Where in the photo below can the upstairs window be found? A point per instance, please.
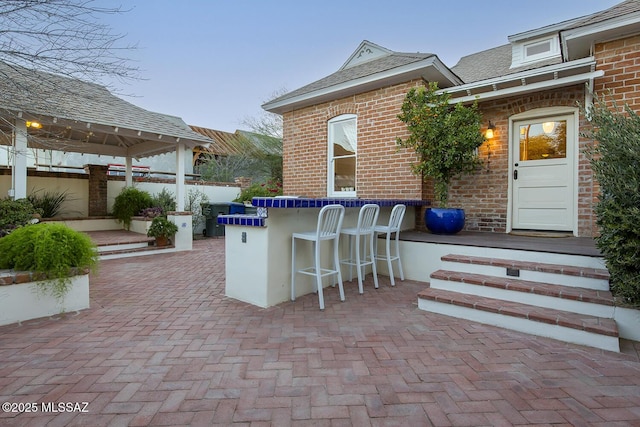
(342, 149)
(524, 53)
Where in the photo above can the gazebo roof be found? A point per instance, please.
(83, 117)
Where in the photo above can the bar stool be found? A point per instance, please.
(328, 229)
(395, 222)
(363, 234)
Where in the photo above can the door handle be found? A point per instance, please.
(515, 174)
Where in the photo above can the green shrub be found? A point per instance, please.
(164, 200)
(193, 204)
(270, 188)
(53, 250)
(49, 202)
(130, 202)
(615, 159)
(15, 213)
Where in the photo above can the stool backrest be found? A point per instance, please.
(330, 221)
(367, 218)
(397, 214)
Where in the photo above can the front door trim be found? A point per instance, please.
(540, 113)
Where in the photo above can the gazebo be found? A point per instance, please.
(47, 111)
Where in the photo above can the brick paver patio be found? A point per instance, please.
(161, 345)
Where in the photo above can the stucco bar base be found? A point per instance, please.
(258, 258)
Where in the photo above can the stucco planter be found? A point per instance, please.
(20, 299)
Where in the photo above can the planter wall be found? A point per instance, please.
(19, 300)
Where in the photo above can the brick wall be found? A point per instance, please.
(383, 171)
(620, 60)
(485, 195)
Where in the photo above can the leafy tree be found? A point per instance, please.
(62, 37)
(615, 159)
(444, 136)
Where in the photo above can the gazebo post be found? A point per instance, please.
(128, 172)
(180, 193)
(19, 170)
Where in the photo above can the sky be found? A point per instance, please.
(215, 62)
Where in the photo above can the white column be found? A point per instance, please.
(19, 170)
(128, 174)
(180, 191)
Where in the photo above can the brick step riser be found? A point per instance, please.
(545, 301)
(533, 276)
(557, 332)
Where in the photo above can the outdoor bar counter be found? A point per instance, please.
(258, 247)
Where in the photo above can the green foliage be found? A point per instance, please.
(53, 250)
(164, 200)
(129, 203)
(615, 159)
(444, 137)
(49, 202)
(193, 203)
(270, 188)
(15, 213)
(161, 226)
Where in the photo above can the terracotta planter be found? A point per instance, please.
(162, 241)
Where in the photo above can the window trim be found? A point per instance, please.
(330, 157)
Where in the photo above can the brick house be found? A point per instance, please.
(340, 131)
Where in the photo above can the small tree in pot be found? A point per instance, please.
(445, 138)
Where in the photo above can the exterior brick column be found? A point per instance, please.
(97, 189)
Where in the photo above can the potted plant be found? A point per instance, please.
(445, 138)
(162, 229)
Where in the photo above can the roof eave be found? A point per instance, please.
(430, 69)
(577, 41)
(549, 77)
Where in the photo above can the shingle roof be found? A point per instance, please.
(495, 62)
(619, 10)
(389, 62)
(46, 94)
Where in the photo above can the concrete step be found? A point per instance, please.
(566, 275)
(136, 251)
(562, 325)
(567, 298)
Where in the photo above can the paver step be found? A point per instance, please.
(130, 252)
(526, 286)
(542, 321)
(594, 273)
(557, 274)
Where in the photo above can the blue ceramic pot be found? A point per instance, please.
(444, 220)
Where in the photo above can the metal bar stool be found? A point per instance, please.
(363, 234)
(395, 222)
(328, 229)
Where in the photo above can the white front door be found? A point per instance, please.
(543, 173)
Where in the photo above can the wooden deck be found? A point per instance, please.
(536, 242)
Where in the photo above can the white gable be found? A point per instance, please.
(367, 51)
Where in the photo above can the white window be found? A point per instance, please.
(536, 50)
(342, 148)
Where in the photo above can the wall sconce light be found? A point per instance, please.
(489, 133)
